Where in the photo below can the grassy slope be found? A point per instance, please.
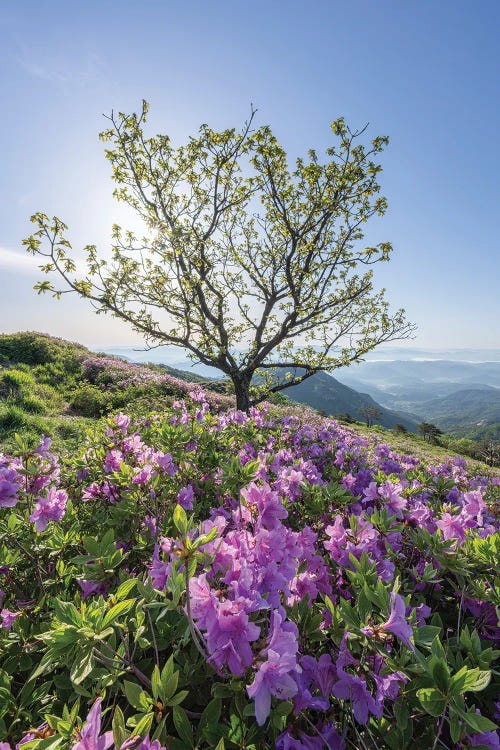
(45, 389)
(43, 392)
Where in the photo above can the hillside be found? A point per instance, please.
(53, 387)
(329, 396)
(473, 411)
(174, 562)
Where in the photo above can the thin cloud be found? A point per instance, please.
(22, 262)
(61, 72)
(18, 260)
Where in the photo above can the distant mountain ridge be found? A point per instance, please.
(460, 397)
(326, 394)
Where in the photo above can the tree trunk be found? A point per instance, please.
(241, 383)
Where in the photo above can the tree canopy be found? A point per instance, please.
(247, 263)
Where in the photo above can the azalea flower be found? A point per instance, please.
(10, 483)
(90, 737)
(396, 624)
(185, 497)
(272, 678)
(452, 526)
(49, 508)
(8, 618)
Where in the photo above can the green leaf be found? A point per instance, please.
(125, 588)
(67, 613)
(83, 667)
(180, 520)
(133, 693)
(156, 687)
(478, 723)
(118, 726)
(144, 725)
(402, 715)
(183, 725)
(432, 701)
(425, 635)
(455, 726)
(472, 680)
(170, 686)
(118, 609)
(441, 675)
(211, 714)
(177, 698)
(482, 680)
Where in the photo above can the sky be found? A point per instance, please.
(423, 72)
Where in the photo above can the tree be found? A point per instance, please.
(430, 432)
(489, 452)
(370, 414)
(247, 264)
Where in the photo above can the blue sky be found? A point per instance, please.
(425, 73)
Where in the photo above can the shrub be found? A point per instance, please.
(89, 401)
(274, 581)
(13, 383)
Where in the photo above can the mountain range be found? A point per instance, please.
(461, 396)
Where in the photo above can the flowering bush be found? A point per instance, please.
(211, 580)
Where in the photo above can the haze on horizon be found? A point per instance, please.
(425, 74)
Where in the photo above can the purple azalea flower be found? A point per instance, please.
(10, 483)
(165, 462)
(135, 742)
(122, 422)
(90, 738)
(92, 492)
(151, 524)
(144, 474)
(474, 505)
(112, 461)
(229, 636)
(49, 508)
(272, 678)
(391, 494)
(262, 506)
(452, 527)
(397, 623)
(353, 688)
(159, 570)
(185, 497)
(389, 685)
(8, 618)
(423, 612)
(326, 736)
(322, 672)
(91, 588)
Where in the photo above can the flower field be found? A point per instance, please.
(207, 579)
